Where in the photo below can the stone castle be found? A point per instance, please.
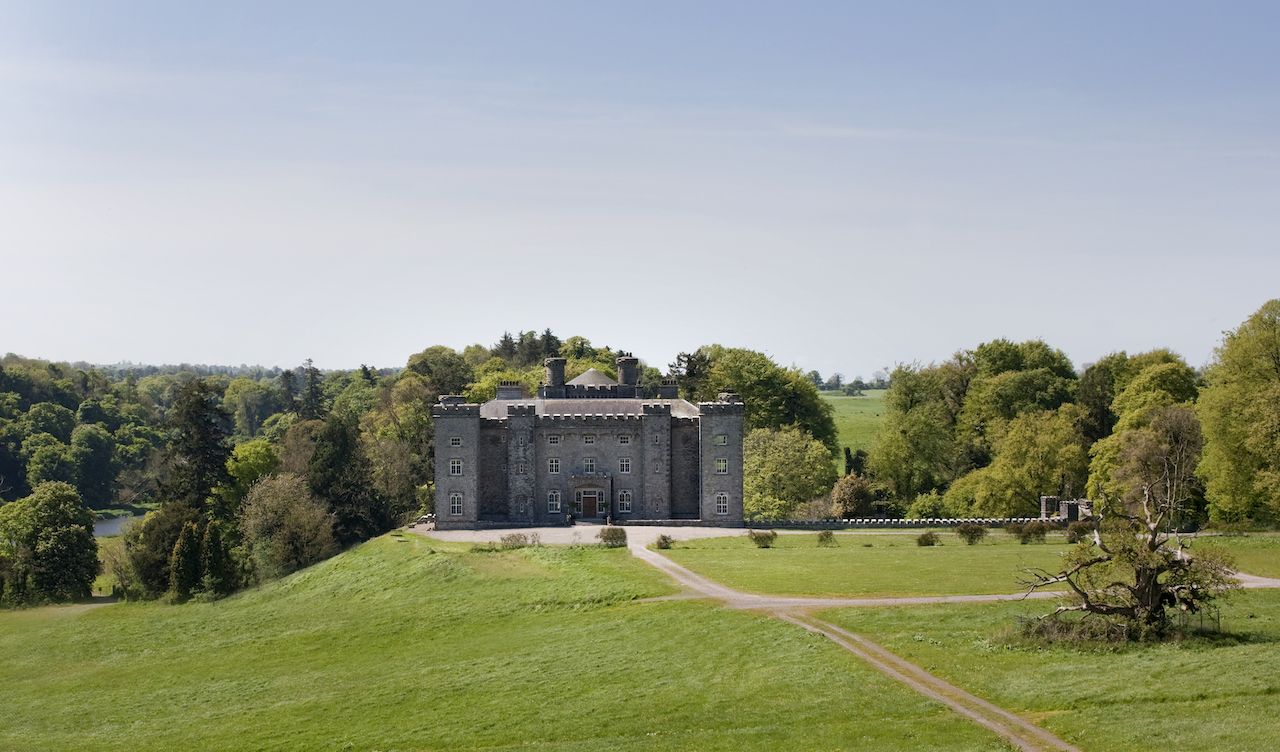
(589, 449)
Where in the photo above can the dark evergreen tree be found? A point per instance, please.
(288, 391)
(340, 475)
(198, 448)
(216, 567)
(366, 373)
(311, 404)
(848, 461)
(528, 349)
(184, 563)
(690, 371)
(550, 344)
(506, 348)
(860, 462)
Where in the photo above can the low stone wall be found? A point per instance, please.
(875, 522)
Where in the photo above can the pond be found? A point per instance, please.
(111, 526)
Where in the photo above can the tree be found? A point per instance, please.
(149, 545)
(248, 462)
(1240, 410)
(218, 575)
(311, 403)
(47, 547)
(92, 453)
(690, 370)
(184, 563)
(1040, 454)
(505, 348)
(50, 418)
(198, 450)
(285, 528)
(340, 475)
(1133, 570)
(48, 460)
(445, 371)
(288, 390)
(775, 397)
(853, 496)
(783, 469)
(250, 403)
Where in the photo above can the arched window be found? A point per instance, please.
(553, 502)
(455, 504)
(624, 502)
(722, 503)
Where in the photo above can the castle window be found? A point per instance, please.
(520, 441)
(721, 439)
(455, 466)
(722, 466)
(624, 502)
(722, 503)
(455, 441)
(624, 464)
(521, 468)
(553, 502)
(553, 439)
(624, 438)
(455, 505)
(589, 438)
(553, 465)
(589, 465)
(657, 439)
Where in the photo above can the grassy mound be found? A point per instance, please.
(408, 643)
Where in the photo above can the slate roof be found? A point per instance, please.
(679, 408)
(592, 377)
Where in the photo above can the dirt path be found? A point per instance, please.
(1017, 731)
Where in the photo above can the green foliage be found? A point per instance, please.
(445, 370)
(249, 462)
(775, 397)
(340, 475)
(928, 538)
(664, 541)
(149, 545)
(853, 496)
(47, 549)
(1240, 411)
(50, 418)
(762, 538)
(217, 570)
(284, 528)
(827, 539)
(970, 533)
(311, 403)
(928, 506)
(184, 563)
(200, 445)
(92, 452)
(1041, 453)
(1079, 530)
(916, 451)
(1033, 532)
(783, 469)
(250, 402)
(612, 537)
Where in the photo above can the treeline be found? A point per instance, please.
(989, 431)
(254, 475)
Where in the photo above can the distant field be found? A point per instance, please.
(1198, 693)
(868, 565)
(1256, 553)
(406, 643)
(858, 419)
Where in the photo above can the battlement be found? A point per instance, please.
(722, 408)
(521, 411)
(590, 419)
(656, 408)
(455, 410)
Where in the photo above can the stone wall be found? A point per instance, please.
(463, 422)
(685, 470)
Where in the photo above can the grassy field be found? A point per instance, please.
(1257, 553)
(1196, 694)
(868, 565)
(406, 643)
(857, 419)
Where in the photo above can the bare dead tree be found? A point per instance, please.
(1136, 567)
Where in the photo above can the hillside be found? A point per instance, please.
(857, 419)
(408, 643)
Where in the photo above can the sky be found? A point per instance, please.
(845, 186)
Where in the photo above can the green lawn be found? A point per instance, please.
(868, 565)
(1195, 694)
(1257, 553)
(407, 643)
(858, 419)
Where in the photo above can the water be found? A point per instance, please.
(104, 528)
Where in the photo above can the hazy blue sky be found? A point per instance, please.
(841, 185)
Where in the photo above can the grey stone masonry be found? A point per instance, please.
(594, 449)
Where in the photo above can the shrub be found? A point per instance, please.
(853, 496)
(512, 541)
(284, 527)
(664, 542)
(928, 539)
(827, 539)
(762, 538)
(1079, 530)
(1014, 529)
(927, 506)
(971, 533)
(149, 543)
(47, 548)
(1033, 532)
(612, 537)
(184, 563)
